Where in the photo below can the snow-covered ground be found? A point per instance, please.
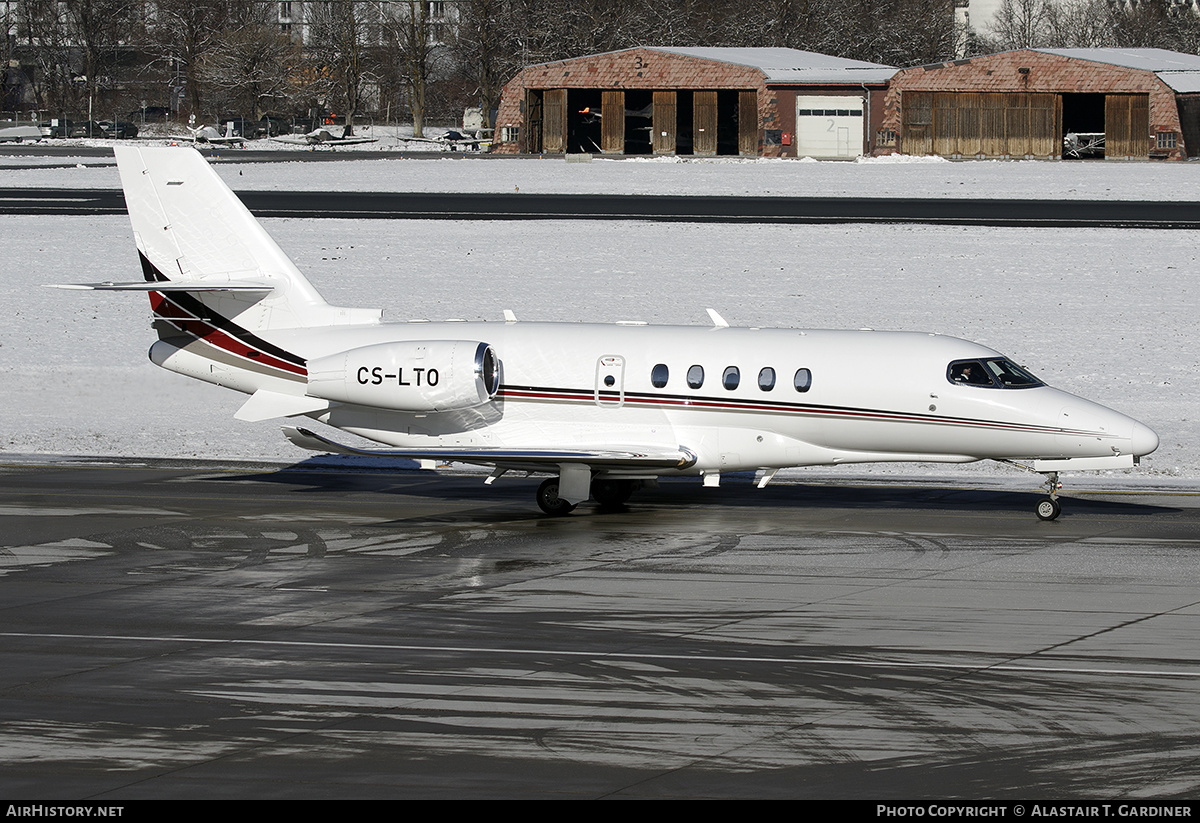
(1106, 313)
(879, 177)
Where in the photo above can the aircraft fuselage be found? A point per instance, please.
(736, 398)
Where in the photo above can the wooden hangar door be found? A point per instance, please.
(748, 123)
(612, 122)
(916, 123)
(554, 121)
(662, 127)
(1126, 125)
(972, 124)
(704, 123)
(533, 121)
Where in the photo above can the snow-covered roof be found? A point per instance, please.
(793, 65)
(1181, 82)
(1146, 59)
(1178, 70)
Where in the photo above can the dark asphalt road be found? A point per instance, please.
(206, 631)
(460, 206)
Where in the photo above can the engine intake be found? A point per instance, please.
(412, 376)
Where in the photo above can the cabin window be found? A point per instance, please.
(731, 378)
(803, 380)
(991, 373)
(695, 377)
(659, 375)
(766, 379)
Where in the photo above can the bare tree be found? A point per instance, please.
(1079, 24)
(413, 32)
(183, 33)
(98, 29)
(74, 46)
(42, 38)
(339, 57)
(1020, 24)
(486, 49)
(1155, 24)
(253, 68)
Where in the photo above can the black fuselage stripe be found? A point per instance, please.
(200, 311)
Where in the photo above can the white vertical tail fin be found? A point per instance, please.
(191, 229)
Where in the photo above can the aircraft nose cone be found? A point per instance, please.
(1144, 439)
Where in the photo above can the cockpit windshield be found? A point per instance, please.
(991, 373)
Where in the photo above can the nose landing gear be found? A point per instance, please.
(1048, 508)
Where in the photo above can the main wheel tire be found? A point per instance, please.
(611, 493)
(549, 501)
(1048, 509)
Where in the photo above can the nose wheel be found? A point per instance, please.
(1048, 508)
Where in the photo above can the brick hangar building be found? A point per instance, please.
(1144, 103)
(694, 101)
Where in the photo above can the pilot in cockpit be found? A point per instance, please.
(971, 373)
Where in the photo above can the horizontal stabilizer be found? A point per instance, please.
(266, 405)
(172, 285)
(600, 458)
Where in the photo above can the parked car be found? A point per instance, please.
(119, 129)
(272, 125)
(87, 128)
(56, 128)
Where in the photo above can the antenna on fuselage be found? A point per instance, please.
(719, 322)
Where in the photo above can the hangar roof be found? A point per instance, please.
(1178, 70)
(788, 66)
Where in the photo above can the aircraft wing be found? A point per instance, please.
(523, 459)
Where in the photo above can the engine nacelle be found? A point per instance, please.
(411, 375)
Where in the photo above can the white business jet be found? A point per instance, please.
(603, 409)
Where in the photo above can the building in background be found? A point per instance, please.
(1036, 103)
(705, 102)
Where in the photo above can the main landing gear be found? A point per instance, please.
(549, 501)
(1048, 508)
(609, 494)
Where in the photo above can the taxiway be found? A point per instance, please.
(177, 630)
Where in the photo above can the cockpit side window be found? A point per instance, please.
(1010, 375)
(991, 373)
(970, 373)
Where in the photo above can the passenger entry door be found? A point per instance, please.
(610, 380)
